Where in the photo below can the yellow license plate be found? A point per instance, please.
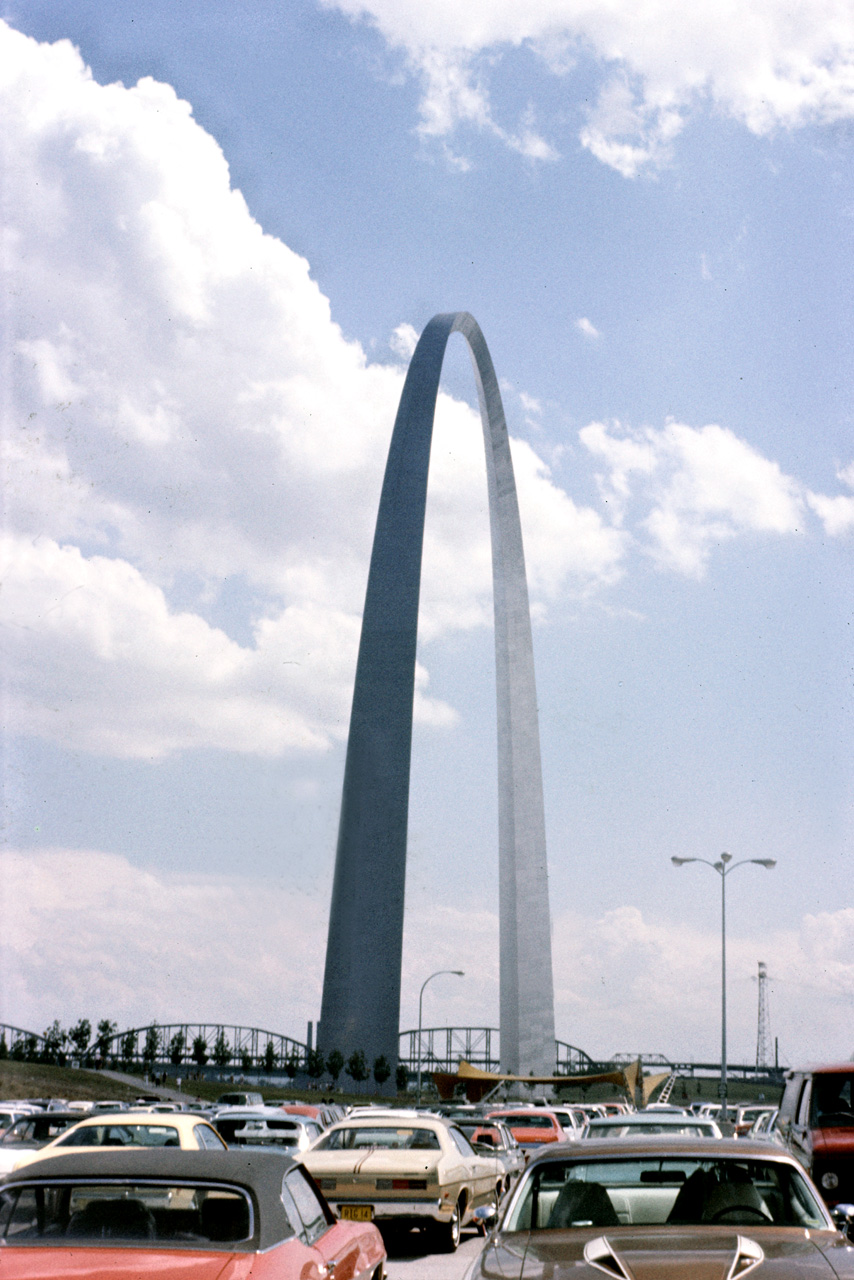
(357, 1212)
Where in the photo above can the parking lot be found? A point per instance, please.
(409, 1259)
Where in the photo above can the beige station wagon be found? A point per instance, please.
(405, 1169)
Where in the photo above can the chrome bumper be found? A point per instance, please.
(397, 1208)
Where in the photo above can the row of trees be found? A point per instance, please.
(58, 1045)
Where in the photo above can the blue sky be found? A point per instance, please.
(223, 237)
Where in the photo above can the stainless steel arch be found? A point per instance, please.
(361, 990)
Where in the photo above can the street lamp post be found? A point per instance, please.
(724, 867)
(460, 974)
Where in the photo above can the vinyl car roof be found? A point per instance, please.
(259, 1172)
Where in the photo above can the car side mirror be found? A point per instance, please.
(843, 1216)
(487, 1213)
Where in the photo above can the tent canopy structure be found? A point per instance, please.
(478, 1084)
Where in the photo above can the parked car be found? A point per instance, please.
(816, 1121)
(163, 1212)
(655, 1208)
(413, 1170)
(29, 1134)
(130, 1129)
(531, 1127)
(265, 1127)
(492, 1137)
(238, 1099)
(764, 1126)
(571, 1121)
(644, 1123)
(746, 1115)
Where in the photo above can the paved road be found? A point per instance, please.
(410, 1260)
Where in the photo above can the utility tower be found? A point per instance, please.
(764, 1057)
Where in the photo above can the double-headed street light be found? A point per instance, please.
(724, 867)
(460, 974)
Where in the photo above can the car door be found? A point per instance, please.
(800, 1137)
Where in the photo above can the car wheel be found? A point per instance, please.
(447, 1234)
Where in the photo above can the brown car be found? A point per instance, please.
(665, 1209)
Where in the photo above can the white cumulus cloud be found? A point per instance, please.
(192, 449)
(704, 486)
(762, 62)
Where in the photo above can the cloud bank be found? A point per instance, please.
(763, 63)
(615, 976)
(193, 451)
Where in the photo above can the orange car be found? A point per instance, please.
(532, 1127)
(190, 1215)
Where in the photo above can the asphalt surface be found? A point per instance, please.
(409, 1258)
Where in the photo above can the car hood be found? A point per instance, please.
(673, 1254)
(32, 1263)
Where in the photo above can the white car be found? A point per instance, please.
(642, 1124)
(266, 1127)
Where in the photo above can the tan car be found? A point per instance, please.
(666, 1209)
(130, 1129)
(405, 1169)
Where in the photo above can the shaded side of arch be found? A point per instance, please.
(361, 991)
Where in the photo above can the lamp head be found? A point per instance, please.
(768, 863)
(680, 862)
(459, 972)
(725, 858)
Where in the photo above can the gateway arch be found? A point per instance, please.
(361, 989)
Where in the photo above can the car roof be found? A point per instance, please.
(648, 1117)
(656, 1144)
(256, 1170)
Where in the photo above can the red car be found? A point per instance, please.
(188, 1215)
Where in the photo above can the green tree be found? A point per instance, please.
(315, 1064)
(401, 1077)
(18, 1052)
(270, 1056)
(4, 1048)
(104, 1038)
(245, 1059)
(177, 1048)
(335, 1064)
(292, 1065)
(80, 1035)
(151, 1048)
(221, 1050)
(200, 1050)
(357, 1066)
(128, 1048)
(53, 1044)
(382, 1069)
(31, 1048)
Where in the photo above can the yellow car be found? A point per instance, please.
(131, 1129)
(405, 1169)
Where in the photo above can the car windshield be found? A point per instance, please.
(127, 1213)
(833, 1100)
(661, 1190)
(395, 1139)
(122, 1135)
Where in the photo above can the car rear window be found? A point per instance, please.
(396, 1139)
(125, 1213)
(122, 1135)
(529, 1122)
